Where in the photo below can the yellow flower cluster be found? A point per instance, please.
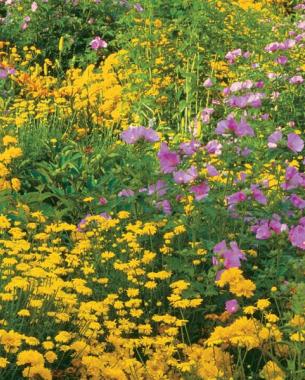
(238, 285)
(9, 153)
(103, 96)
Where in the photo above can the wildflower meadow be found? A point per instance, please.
(152, 189)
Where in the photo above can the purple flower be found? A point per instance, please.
(213, 147)
(230, 124)
(258, 195)
(134, 134)
(243, 129)
(260, 84)
(297, 201)
(232, 255)
(220, 248)
(98, 43)
(297, 236)
(201, 191)
(232, 306)
(295, 143)
(168, 160)
(212, 171)
(165, 206)
(232, 55)
(237, 197)
(293, 179)
(263, 232)
(34, 6)
(138, 7)
(297, 79)
(189, 148)
(208, 83)
(126, 193)
(3, 74)
(102, 201)
(301, 25)
(186, 176)
(276, 225)
(281, 60)
(273, 46)
(274, 138)
(160, 188)
(206, 115)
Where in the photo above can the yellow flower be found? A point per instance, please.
(37, 371)
(23, 313)
(262, 304)
(88, 199)
(9, 140)
(271, 371)
(31, 357)
(297, 321)
(3, 362)
(50, 356)
(272, 318)
(249, 310)
(298, 337)
(63, 337)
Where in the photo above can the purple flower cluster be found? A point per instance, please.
(264, 229)
(231, 256)
(134, 134)
(241, 128)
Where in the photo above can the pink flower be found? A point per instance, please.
(231, 256)
(282, 60)
(297, 201)
(301, 25)
(134, 134)
(274, 138)
(297, 236)
(263, 232)
(126, 193)
(34, 6)
(295, 143)
(159, 188)
(98, 43)
(212, 171)
(102, 201)
(240, 129)
(297, 79)
(208, 83)
(237, 197)
(189, 148)
(186, 176)
(232, 55)
(213, 147)
(293, 179)
(232, 306)
(168, 160)
(165, 206)
(138, 7)
(258, 195)
(206, 115)
(201, 191)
